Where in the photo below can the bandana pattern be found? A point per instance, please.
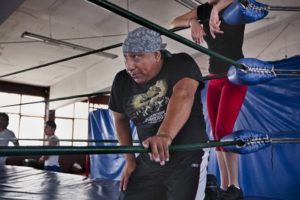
(142, 40)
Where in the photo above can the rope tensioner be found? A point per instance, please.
(257, 71)
(249, 11)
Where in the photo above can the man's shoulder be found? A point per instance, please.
(179, 58)
(8, 133)
(180, 55)
(53, 138)
(122, 75)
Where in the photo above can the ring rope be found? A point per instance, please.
(284, 8)
(273, 140)
(65, 150)
(94, 94)
(63, 60)
(144, 22)
(71, 140)
(81, 55)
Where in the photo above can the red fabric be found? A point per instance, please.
(224, 101)
(87, 165)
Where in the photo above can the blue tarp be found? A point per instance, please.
(101, 127)
(25, 183)
(272, 107)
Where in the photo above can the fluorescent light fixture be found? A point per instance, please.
(52, 41)
(200, 2)
(191, 4)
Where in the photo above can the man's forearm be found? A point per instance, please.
(124, 133)
(178, 112)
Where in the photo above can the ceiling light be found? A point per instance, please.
(191, 4)
(52, 41)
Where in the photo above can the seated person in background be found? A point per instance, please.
(51, 162)
(6, 135)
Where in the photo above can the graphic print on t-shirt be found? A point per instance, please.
(150, 107)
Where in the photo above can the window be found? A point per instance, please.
(27, 121)
(9, 99)
(36, 109)
(72, 123)
(31, 128)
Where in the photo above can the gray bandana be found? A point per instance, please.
(142, 40)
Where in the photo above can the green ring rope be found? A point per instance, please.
(63, 60)
(72, 140)
(65, 150)
(144, 22)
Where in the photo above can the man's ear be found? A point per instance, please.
(157, 55)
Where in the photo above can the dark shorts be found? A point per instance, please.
(53, 168)
(176, 180)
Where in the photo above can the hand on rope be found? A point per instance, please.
(244, 12)
(159, 145)
(242, 142)
(251, 141)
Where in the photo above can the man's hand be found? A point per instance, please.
(159, 145)
(42, 159)
(197, 31)
(214, 23)
(127, 171)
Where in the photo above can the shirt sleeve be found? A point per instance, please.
(187, 68)
(53, 140)
(203, 11)
(115, 100)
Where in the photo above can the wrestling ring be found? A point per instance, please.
(28, 183)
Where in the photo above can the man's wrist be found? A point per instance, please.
(129, 157)
(165, 135)
(190, 22)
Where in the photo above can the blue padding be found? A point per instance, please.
(253, 141)
(244, 12)
(274, 108)
(256, 72)
(107, 166)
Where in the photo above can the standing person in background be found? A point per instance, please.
(51, 163)
(224, 99)
(6, 135)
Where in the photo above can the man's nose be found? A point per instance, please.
(130, 65)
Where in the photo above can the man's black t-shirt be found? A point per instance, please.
(228, 44)
(146, 104)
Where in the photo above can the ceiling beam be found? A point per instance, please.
(19, 88)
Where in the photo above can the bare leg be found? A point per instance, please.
(223, 170)
(231, 160)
